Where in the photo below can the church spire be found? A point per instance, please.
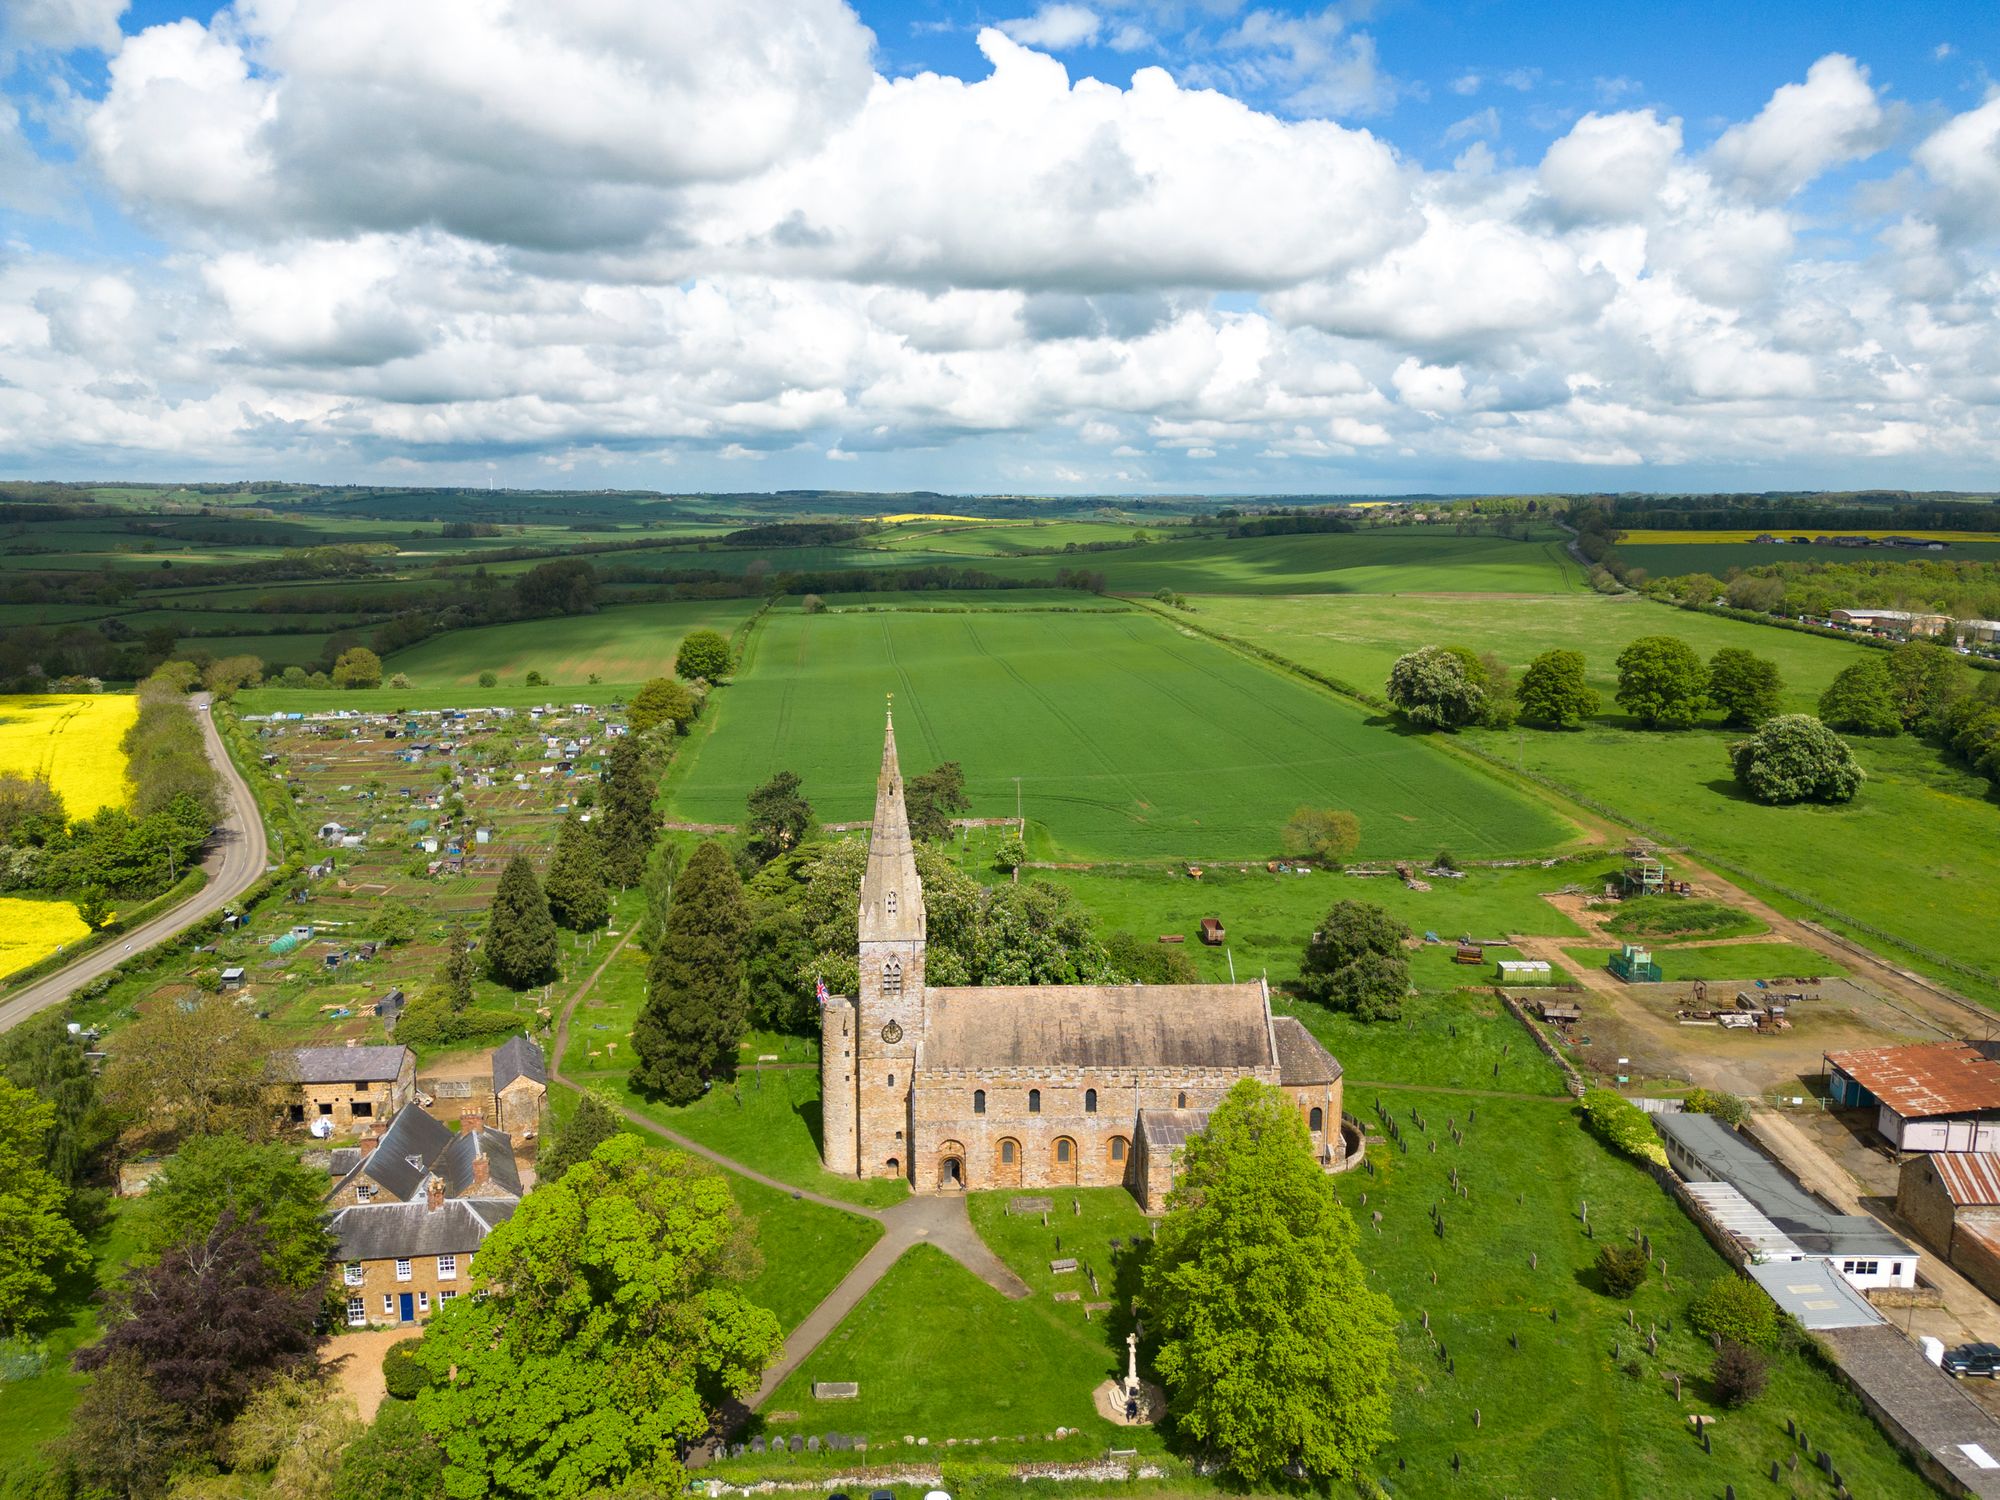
(892, 897)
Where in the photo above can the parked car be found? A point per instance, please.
(1973, 1359)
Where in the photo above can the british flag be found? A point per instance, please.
(819, 989)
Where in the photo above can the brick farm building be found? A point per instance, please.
(1035, 1086)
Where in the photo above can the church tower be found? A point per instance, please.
(889, 1006)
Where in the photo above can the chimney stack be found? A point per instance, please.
(434, 1193)
(480, 1170)
(472, 1117)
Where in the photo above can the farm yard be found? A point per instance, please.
(1130, 740)
(73, 740)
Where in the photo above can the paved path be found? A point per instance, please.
(238, 853)
(921, 1219)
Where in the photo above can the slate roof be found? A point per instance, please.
(518, 1057)
(342, 1160)
(346, 1064)
(401, 1161)
(1927, 1078)
(1301, 1058)
(403, 1231)
(455, 1164)
(1097, 1026)
(1166, 1129)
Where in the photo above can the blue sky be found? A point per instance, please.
(1219, 245)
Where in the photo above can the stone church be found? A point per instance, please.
(1035, 1086)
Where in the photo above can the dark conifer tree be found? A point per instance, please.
(520, 933)
(627, 820)
(694, 1013)
(575, 887)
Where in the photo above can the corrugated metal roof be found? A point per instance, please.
(1744, 1221)
(1924, 1079)
(1969, 1177)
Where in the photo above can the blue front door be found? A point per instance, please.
(409, 1308)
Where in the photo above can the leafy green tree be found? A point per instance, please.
(593, 1122)
(778, 957)
(1273, 1349)
(395, 1459)
(191, 1068)
(1037, 932)
(662, 870)
(780, 818)
(705, 655)
(1430, 688)
(694, 1014)
(1329, 835)
(1555, 690)
(605, 1327)
(1621, 1269)
(1661, 682)
(124, 1438)
(520, 933)
(1143, 961)
(1795, 758)
(1490, 678)
(1925, 679)
(37, 1241)
(933, 798)
(575, 888)
(357, 667)
(1356, 962)
(1739, 1375)
(1735, 1310)
(456, 970)
(402, 1376)
(1862, 699)
(1010, 854)
(1745, 686)
(661, 700)
(31, 810)
(489, 679)
(42, 1056)
(628, 823)
(214, 1175)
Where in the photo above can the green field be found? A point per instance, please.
(622, 644)
(1724, 961)
(1720, 558)
(1129, 739)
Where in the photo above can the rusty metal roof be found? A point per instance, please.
(1970, 1177)
(1928, 1078)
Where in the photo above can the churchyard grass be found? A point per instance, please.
(1130, 739)
(1562, 1415)
(1461, 1039)
(1724, 961)
(73, 740)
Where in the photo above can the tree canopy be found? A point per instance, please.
(1745, 686)
(604, 1328)
(1661, 682)
(1925, 680)
(265, 1184)
(661, 700)
(1862, 698)
(1795, 758)
(779, 817)
(1356, 962)
(695, 1013)
(704, 654)
(520, 933)
(357, 667)
(196, 1067)
(628, 823)
(37, 1241)
(41, 1055)
(575, 888)
(1329, 835)
(933, 799)
(590, 1125)
(1273, 1349)
(1554, 690)
(1431, 689)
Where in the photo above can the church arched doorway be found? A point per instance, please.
(1007, 1163)
(951, 1168)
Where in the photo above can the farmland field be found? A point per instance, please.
(31, 930)
(623, 644)
(73, 739)
(1642, 537)
(1129, 739)
(1665, 560)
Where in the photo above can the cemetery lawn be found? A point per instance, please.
(1131, 739)
(1724, 961)
(1463, 1040)
(940, 1354)
(1562, 1416)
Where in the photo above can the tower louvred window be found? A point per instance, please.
(892, 903)
(892, 977)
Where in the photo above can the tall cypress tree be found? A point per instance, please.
(694, 1013)
(630, 822)
(662, 870)
(520, 934)
(575, 887)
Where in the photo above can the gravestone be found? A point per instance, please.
(812, 1446)
(797, 1444)
(1064, 1266)
(756, 1445)
(836, 1390)
(1030, 1205)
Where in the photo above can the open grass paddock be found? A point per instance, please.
(620, 644)
(1129, 738)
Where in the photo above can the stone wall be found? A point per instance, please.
(1922, 1201)
(890, 1022)
(836, 1086)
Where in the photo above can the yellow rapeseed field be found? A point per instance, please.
(1643, 538)
(32, 930)
(925, 515)
(74, 739)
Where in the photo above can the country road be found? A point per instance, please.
(238, 854)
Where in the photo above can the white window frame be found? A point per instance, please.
(402, 1270)
(354, 1273)
(357, 1312)
(447, 1268)
(363, 1193)
(423, 1302)
(388, 1304)
(444, 1297)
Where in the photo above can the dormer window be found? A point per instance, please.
(891, 901)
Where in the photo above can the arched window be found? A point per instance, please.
(1181, 1102)
(1090, 1101)
(1118, 1148)
(895, 1167)
(979, 1101)
(1034, 1101)
(892, 1080)
(892, 977)
(1063, 1150)
(1317, 1118)
(1007, 1153)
